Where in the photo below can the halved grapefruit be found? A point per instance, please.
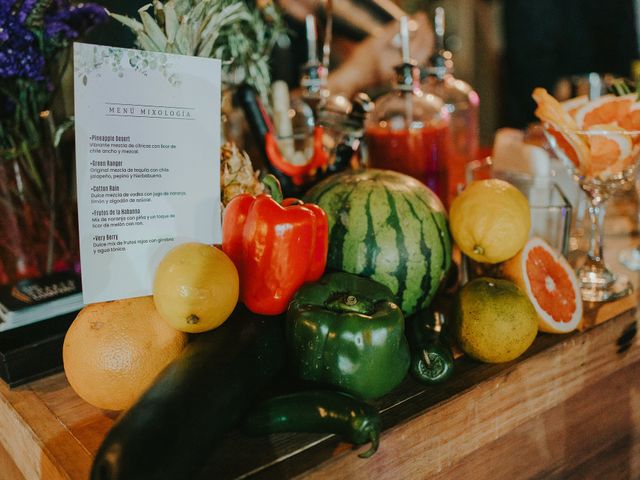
(606, 109)
(572, 105)
(568, 145)
(561, 129)
(610, 149)
(550, 283)
(631, 121)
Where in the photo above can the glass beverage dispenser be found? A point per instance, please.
(408, 131)
(461, 101)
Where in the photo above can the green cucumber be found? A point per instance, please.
(199, 397)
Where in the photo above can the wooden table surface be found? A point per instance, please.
(568, 408)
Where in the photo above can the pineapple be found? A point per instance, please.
(236, 174)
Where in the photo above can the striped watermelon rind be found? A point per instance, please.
(389, 227)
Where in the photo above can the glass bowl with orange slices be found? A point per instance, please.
(599, 141)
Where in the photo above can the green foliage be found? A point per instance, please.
(236, 32)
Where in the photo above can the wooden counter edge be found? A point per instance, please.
(427, 445)
(40, 444)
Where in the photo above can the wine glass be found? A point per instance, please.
(605, 163)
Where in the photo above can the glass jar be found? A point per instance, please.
(38, 213)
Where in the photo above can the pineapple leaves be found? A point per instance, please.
(134, 25)
(171, 22)
(237, 32)
(153, 31)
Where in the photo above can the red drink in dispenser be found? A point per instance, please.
(420, 153)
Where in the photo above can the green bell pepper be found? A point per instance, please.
(345, 331)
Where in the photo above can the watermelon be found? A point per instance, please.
(389, 227)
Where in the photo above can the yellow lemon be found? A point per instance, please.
(494, 320)
(490, 221)
(195, 287)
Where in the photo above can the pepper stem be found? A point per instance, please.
(274, 187)
(351, 300)
(375, 441)
(345, 302)
(425, 357)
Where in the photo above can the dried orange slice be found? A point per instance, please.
(550, 110)
(606, 109)
(550, 283)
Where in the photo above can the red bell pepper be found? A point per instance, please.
(276, 245)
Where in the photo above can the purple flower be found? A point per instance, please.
(20, 55)
(67, 22)
(32, 32)
(26, 9)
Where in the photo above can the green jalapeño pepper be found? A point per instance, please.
(320, 411)
(345, 331)
(431, 355)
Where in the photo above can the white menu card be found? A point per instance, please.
(147, 131)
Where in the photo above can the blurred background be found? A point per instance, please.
(502, 48)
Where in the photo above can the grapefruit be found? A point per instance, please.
(631, 121)
(568, 145)
(196, 287)
(550, 283)
(572, 105)
(490, 220)
(606, 109)
(113, 351)
(494, 321)
(610, 150)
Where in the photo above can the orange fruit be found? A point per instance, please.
(196, 287)
(606, 109)
(550, 283)
(113, 351)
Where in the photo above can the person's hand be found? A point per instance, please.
(372, 61)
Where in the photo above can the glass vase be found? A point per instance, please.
(38, 214)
